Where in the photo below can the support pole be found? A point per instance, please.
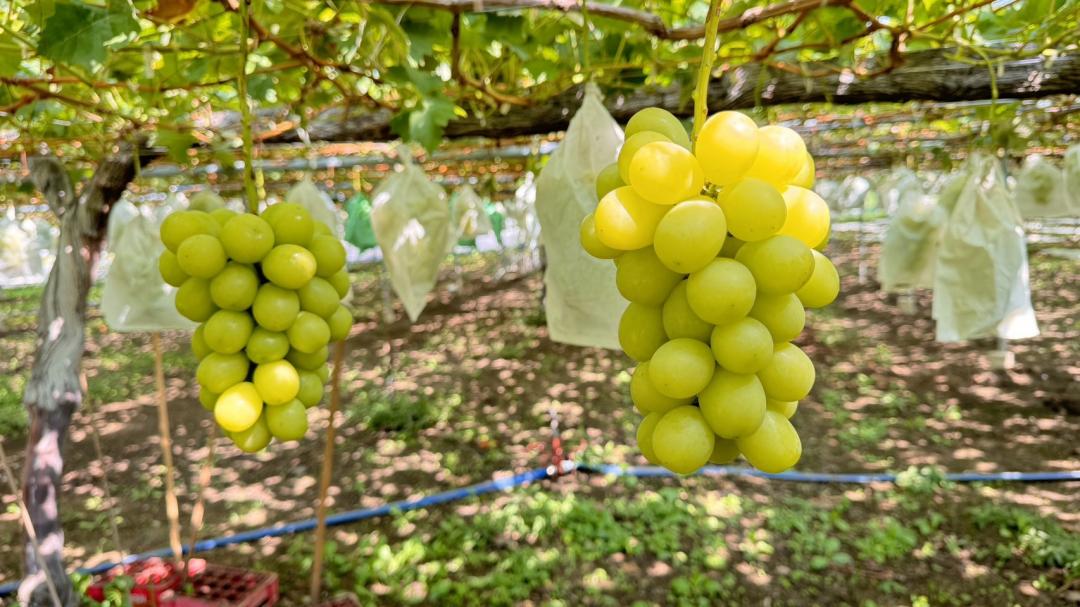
(172, 506)
(327, 472)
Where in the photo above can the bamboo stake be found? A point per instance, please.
(198, 512)
(172, 506)
(327, 471)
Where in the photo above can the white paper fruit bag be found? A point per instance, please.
(411, 219)
(583, 304)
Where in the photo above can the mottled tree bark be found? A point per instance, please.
(54, 393)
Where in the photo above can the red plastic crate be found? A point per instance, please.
(155, 582)
(218, 586)
(160, 584)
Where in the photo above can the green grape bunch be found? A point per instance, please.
(716, 247)
(266, 290)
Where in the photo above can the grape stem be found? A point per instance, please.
(245, 111)
(708, 55)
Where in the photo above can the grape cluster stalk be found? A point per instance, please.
(717, 247)
(266, 290)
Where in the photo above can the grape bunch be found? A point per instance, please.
(715, 244)
(267, 291)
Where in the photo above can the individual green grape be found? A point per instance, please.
(642, 278)
(193, 300)
(731, 247)
(780, 264)
(277, 382)
(308, 333)
(680, 319)
(591, 242)
(754, 209)
(275, 308)
(646, 397)
(238, 408)
(170, 269)
(341, 282)
(266, 346)
(179, 226)
(201, 256)
(228, 331)
(289, 266)
(743, 346)
(724, 452)
(774, 447)
(721, 292)
(207, 399)
(206, 200)
(311, 389)
(247, 238)
(319, 297)
(287, 422)
(329, 255)
(658, 120)
(234, 288)
(807, 216)
(783, 315)
(665, 173)
(222, 216)
(340, 323)
(727, 146)
(823, 286)
(641, 331)
(783, 407)
(733, 404)
(789, 375)
(608, 179)
(309, 361)
(690, 235)
(219, 372)
(644, 436)
(198, 344)
(781, 154)
(682, 440)
(292, 224)
(630, 147)
(255, 438)
(626, 221)
(681, 367)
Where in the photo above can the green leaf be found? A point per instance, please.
(177, 143)
(10, 59)
(425, 122)
(82, 35)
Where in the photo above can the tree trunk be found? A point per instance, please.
(54, 393)
(925, 75)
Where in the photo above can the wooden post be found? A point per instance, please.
(172, 507)
(327, 472)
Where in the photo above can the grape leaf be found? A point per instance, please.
(10, 59)
(425, 122)
(177, 144)
(82, 35)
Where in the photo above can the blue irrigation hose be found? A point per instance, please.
(817, 477)
(501, 484)
(525, 478)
